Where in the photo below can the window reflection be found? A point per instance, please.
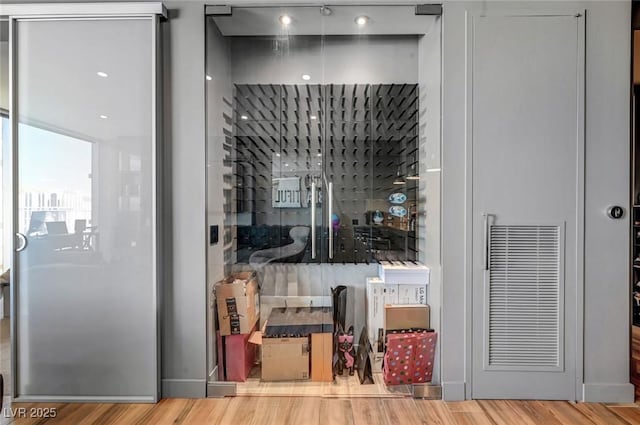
(55, 198)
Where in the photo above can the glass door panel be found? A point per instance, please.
(84, 277)
(315, 109)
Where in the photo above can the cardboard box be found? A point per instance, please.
(240, 356)
(403, 273)
(299, 321)
(321, 357)
(238, 303)
(412, 294)
(285, 359)
(412, 316)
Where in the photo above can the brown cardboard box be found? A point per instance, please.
(238, 303)
(285, 359)
(321, 357)
(406, 316)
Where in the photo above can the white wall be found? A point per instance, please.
(606, 287)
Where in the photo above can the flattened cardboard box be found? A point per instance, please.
(238, 303)
(321, 357)
(285, 359)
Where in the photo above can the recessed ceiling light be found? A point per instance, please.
(319, 154)
(286, 165)
(306, 77)
(102, 74)
(209, 78)
(313, 117)
(285, 20)
(243, 117)
(319, 163)
(277, 154)
(104, 117)
(362, 20)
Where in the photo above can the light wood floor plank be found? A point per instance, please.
(167, 412)
(599, 414)
(402, 411)
(207, 411)
(563, 411)
(367, 411)
(507, 412)
(240, 410)
(335, 411)
(435, 412)
(305, 410)
(629, 413)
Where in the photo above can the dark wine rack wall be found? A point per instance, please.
(360, 137)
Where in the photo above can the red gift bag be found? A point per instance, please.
(409, 358)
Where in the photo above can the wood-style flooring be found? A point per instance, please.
(328, 411)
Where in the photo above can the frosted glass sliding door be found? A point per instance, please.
(84, 147)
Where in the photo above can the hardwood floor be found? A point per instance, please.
(319, 410)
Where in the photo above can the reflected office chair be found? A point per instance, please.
(294, 250)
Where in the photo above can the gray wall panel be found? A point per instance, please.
(184, 335)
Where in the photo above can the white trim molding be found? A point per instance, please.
(453, 391)
(35, 10)
(184, 388)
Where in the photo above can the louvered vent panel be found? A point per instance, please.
(525, 287)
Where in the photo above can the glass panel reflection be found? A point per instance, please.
(362, 138)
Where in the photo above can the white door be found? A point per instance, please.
(526, 142)
(84, 281)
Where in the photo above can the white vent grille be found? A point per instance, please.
(524, 297)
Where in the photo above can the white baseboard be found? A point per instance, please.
(184, 388)
(608, 393)
(453, 391)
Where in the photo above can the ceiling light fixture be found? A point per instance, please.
(102, 74)
(362, 20)
(244, 117)
(313, 117)
(104, 117)
(209, 78)
(306, 77)
(285, 20)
